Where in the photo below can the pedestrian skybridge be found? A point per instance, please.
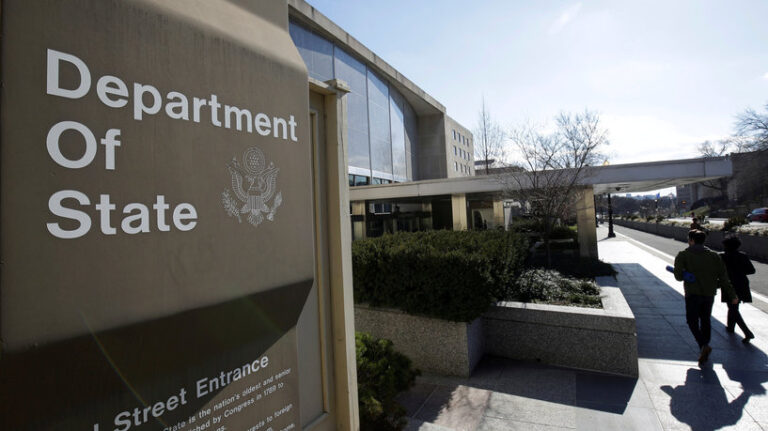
(463, 203)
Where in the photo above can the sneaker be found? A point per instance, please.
(747, 338)
(705, 351)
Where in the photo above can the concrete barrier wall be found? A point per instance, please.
(756, 247)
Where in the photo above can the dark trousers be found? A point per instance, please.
(698, 311)
(734, 318)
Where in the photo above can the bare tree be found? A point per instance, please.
(583, 137)
(753, 127)
(554, 164)
(714, 149)
(489, 138)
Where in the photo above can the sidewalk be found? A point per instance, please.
(671, 393)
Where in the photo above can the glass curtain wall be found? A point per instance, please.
(353, 73)
(397, 122)
(382, 125)
(378, 118)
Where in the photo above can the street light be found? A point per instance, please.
(611, 234)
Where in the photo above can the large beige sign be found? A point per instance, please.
(156, 207)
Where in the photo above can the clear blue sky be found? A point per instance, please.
(664, 75)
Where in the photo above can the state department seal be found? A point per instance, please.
(253, 184)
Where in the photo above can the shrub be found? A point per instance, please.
(659, 218)
(535, 226)
(576, 266)
(549, 286)
(527, 225)
(444, 274)
(735, 221)
(382, 373)
(583, 267)
(562, 232)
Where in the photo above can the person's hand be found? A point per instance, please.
(735, 301)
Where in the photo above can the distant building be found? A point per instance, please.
(748, 186)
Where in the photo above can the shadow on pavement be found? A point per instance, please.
(702, 401)
(516, 390)
(703, 393)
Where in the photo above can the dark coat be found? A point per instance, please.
(738, 266)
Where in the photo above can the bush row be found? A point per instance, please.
(443, 274)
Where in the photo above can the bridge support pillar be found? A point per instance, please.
(586, 222)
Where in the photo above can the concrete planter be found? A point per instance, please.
(754, 246)
(594, 339)
(434, 345)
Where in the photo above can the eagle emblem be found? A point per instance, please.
(253, 184)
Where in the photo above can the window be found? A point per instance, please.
(359, 180)
(316, 52)
(456, 166)
(455, 151)
(353, 73)
(454, 135)
(397, 134)
(379, 125)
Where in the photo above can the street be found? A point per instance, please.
(667, 249)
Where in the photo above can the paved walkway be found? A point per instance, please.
(672, 392)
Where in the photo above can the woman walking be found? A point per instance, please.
(738, 266)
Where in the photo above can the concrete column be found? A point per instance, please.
(340, 260)
(459, 211)
(585, 218)
(498, 213)
(426, 222)
(358, 226)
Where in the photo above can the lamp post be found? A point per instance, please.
(611, 234)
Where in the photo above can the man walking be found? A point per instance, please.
(703, 272)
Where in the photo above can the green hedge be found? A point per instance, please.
(382, 373)
(444, 274)
(536, 227)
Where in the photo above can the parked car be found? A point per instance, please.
(758, 214)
